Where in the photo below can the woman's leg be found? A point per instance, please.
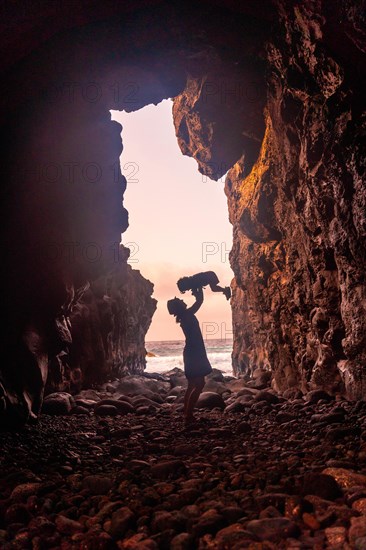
(189, 390)
(192, 398)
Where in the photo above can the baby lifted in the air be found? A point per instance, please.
(200, 280)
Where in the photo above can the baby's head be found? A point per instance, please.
(176, 307)
(183, 284)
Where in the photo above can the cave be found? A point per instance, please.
(270, 93)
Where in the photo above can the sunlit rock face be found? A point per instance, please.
(275, 93)
(299, 216)
(297, 201)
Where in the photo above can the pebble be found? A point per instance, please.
(97, 484)
(67, 526)
(122, 520)
(210, 400)
(106, 410)
(321, 485)
(273, 529)
(25, 490)
(346, 478)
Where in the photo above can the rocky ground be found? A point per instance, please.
(116, 468)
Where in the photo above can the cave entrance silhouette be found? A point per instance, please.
(63, 203)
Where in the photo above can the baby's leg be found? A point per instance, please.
(216, 288)
(226, 290)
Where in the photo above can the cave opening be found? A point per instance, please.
(178, 225)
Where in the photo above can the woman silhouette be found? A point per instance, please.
(196, 363)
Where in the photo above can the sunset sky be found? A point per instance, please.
(178, 220)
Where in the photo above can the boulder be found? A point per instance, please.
(123, 407)
(316, 395)
(106, 410)
(273, 529)
(139, 385)
(97, 484)
(210, 400)
(58, 403)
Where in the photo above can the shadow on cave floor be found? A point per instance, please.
(121, 471)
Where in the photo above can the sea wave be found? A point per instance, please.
(163, 363)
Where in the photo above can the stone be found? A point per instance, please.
(278, 500)
(123, 407)
(67, 526)
(360, 506)
(122, 519)
(17, 513)
(261, 379)
(21, 492)
(209, 522)
(183, 541)
(346, 478)
(97, 484)
(234, 536)
(321, 485)
(41, 525)
(357, 530)
(216, 387)
(137, 385)
(137, 542)
(243, 428)
(292, 393)
(185, 449)
(106, 410)
(121, 433)
(125, 398)
(86, 403)
(283, 417)
(58, 403)
(168, 468)
(316, 395)
(79, 410)
(336, 537)
(237, 406)
(330, 418)
(269, 512)
(310, 521)
(210, 400)
(97, 541)
(273, 529)
(164, 520)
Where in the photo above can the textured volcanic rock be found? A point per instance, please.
(297, 207)
(299, 217)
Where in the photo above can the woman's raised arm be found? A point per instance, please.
(198, 294)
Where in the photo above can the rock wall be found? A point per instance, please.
(296, 199)
(299, 216)
(106, 328)
(65, 219)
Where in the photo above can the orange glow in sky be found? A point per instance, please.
(178, 220)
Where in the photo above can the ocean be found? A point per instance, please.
(169, 354)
